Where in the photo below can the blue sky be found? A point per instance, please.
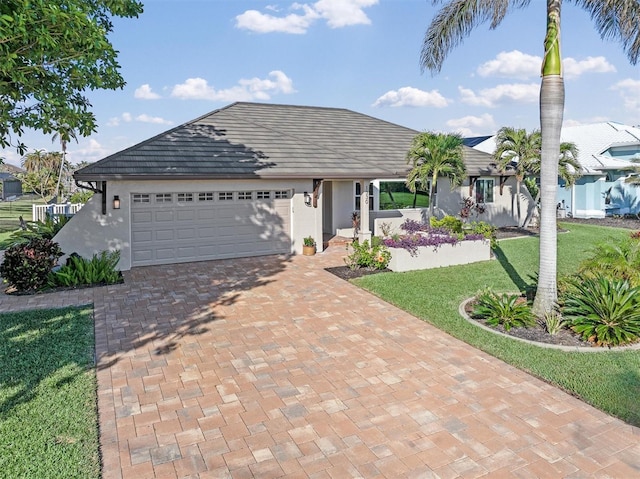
(182, 59)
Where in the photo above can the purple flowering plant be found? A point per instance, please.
(420, 234)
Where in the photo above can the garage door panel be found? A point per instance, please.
(185, 215)
(186, 233)
(142, 217)
(171, 233)
(163, 216)
(165, 235)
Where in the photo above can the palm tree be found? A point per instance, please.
(65, 134)
(516, 149)
(614, 19)
(433, 155)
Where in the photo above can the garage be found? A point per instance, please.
(181, 227)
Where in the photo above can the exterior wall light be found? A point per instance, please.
(116, 202)
(307, 199)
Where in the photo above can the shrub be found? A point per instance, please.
(81, 196)
(411, 243)
(553, 322)
(308, 241)
(100, 269)
(509, 310)
(635, 235)
(615, 260)
(485, 229)
(603, 310)
(372, 257)
(46, 229)
(26, 266)
(449, 223)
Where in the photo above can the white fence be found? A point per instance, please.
(40, 212)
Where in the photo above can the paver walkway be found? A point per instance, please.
(272, 367)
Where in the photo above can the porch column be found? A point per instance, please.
(365, 233)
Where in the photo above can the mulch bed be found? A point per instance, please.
(346, 273)
(537, 333)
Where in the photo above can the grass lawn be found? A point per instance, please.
(607, 380)
(48, 412)
(10, 212)
(403, 200)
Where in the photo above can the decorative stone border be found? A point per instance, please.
(572, 349)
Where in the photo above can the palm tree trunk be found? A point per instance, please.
(518, 181)
(551, 113)
(432, 194)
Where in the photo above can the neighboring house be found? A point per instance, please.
(255, 179)
(10, 185)
(606, 151)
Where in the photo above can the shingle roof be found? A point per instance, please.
(256, 140)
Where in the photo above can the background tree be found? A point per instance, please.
(65, 134)
(41, 175)
(433, 155)
(51, 52)
(516, 149)
(614, 19)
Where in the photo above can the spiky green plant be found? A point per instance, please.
(509, 310)
(615, 260)
(603, 310)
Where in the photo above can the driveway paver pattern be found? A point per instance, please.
(272, 367)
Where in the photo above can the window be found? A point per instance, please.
(245, 195)
(358, 194)
(185, 197)
(484, 190)
(164, 197)
(205, 196)
(140, 198)
(282, 195)
(225, 196)
(395, 195)
(263, 195)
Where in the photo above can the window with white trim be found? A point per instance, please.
(263, 195)
(282, 195)
(245, 195)
(225, 196)
(358, 194)
(484, 190)
(164, 197)
(205, 196)
(185, 197)
(141, 198)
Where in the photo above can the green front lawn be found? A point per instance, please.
(48, 413)
(11, 211)
(402, 200)
(608, 380)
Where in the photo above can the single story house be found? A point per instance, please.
(10, 184)
(606, 152)
(255, 179)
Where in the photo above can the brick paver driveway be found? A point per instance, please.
(272, 367)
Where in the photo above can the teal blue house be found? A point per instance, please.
(608, 153)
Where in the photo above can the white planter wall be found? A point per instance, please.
(428, 257)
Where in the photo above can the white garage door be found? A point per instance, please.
(181, 227)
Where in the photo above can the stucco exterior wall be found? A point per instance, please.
(502, 212)
(90, 232)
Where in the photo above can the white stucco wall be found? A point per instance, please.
(503, 210)
(90, 232)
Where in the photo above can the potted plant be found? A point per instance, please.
(308, 246)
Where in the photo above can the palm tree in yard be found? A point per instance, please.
(520, 151)
(614, 19)
(517, 149)
(433, 155)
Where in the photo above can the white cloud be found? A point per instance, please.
(246, 90)
(514, 64)
(337, 14)
(10, 156)
(409, 96)
(86, 150)
(501, 94)
(473, 125)
(144, 92)
(127, 117)
(629, 90)
(573, 68)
